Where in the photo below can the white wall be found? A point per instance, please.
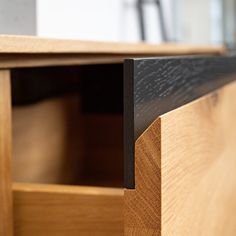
(109, 20)
(195, 21)
(18, 17)
(198, 21)
(84, 19)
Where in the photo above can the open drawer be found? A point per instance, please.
(66, 210)
(180, 170)
(170, 121)
(68, 138)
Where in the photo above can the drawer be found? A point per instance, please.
(143, 147)
(180, 146)
(67, 150)
(42, 209)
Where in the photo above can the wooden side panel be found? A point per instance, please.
(5, 155)
(185, 171)
(57, 210)
(48, 141)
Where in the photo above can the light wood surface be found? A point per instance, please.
(61, 210)
(48, 141)
(71, 153)
(32, 44)
(30, 51)
(5, 155)
(185, 178)
(37, 59)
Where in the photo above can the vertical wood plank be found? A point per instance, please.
(6, 219)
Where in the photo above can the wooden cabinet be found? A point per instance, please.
(182, 178)
(79, 111)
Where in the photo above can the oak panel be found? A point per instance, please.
(48, 144)
(5, 155)
(185, 171)
(62, 210)
(32, 44)
(31, 51)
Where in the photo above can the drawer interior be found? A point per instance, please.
(68, 126)
(42, 209)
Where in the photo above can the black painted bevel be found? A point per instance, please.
(128, 102)
(154, 86)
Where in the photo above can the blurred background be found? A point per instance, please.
(188, 21)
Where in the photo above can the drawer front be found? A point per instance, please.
(41, 209)
(180, 146)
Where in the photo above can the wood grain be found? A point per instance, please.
(185, 171)
(163, 84)
(32, 44)
(48, 144)
(45, 59)
(57, 210)
(30, 51)
(72, 153)
(6, 221)
(154, 86)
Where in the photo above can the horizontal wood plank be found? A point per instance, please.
(31, 51)
(58, 210)
(32, 44)
(39, 60)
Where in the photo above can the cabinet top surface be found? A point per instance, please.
(32, 44)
